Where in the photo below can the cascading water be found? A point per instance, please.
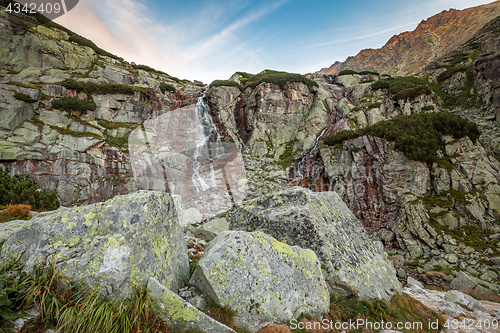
(203, 176)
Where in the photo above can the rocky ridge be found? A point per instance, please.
(409, 52)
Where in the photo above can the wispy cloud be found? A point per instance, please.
(211, 39)
(351, 39)
(127, 29)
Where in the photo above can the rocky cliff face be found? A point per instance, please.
(273, 124)
(446, 214)
(409, 52)
(82, 154)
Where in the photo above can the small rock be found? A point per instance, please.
(198, 302)
(493, 275)
(412, 282)
(464, 281)
(448, 278)
(185, 294)
(462, 299)
(450, 309)
(428, 267)
(451, 258)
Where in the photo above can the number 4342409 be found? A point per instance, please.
(33, 8)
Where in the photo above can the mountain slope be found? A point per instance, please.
(408, 52)
(67, 108)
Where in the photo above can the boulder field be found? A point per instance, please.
(264, 279)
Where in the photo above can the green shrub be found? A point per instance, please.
(457, 58)
(245, 77)
(165, 86)
(23, 97)
(72, 84)
(369, 73)
(418, 136)
(149, 69)
(403, 87)
(73, 104)
(269, 76)
(279, 78)
(226, 83)
(21, 189)
(108, 88)
(87, 42)
(347, 72)
(100, 88)
(374, 105)
(450, 72)
(428, 108)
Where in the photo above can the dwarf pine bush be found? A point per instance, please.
(21, 189)
(418, 136)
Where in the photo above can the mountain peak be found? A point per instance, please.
(410, 51)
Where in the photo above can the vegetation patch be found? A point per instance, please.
(418, 136)
(117, 141)
(63, 303)
(269, 76)
(21, 189)
(245, 77)
(91, 88)
(403, 87)
(165, 86)
(76, 134)
(346, 72)
(15, 212)
(286, 158)
(114, 125)
(73, 104)
(223, 315)
(149, 69)
(374, 105)
(402, 308)
(350, 72)
(225, 83)
(469, 235)
(25, 98)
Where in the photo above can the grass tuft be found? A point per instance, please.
(223, 315)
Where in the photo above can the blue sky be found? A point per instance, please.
(207, 40)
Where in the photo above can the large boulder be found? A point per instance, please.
(130, 237)
(263, 280)
(352, 263)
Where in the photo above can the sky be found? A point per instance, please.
(207, 40)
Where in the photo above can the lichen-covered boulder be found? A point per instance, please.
(263, 280)
(352, 263)
(130, 237)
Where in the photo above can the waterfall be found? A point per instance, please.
(203, 176)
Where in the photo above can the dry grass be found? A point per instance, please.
(402, 308)
(15, 212)
(276, 329)
(477, 295)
